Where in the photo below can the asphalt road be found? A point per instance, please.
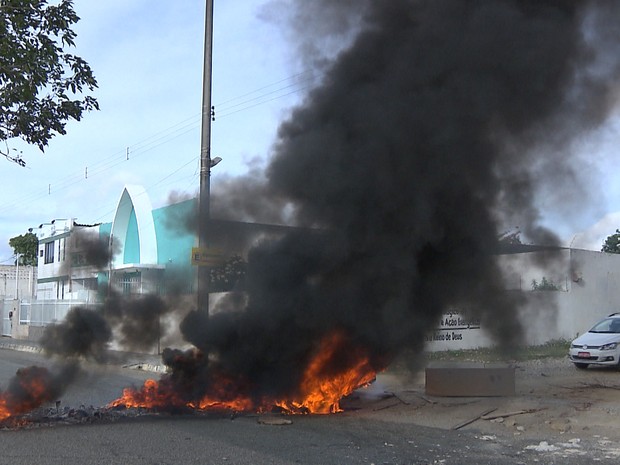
(96, 385)
(354, 437)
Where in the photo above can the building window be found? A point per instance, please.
(49, 252)
(77, 259)
(130, 283)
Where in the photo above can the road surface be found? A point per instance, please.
(379, 430)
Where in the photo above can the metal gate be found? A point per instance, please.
(7, 309)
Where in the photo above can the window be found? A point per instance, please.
(130, 283)
(49, 252)
(77, 259)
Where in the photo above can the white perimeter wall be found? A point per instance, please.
(590, 290)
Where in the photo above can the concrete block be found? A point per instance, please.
(470, 380)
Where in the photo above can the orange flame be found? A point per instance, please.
(30, 388)
(320, 389)
(5, 412)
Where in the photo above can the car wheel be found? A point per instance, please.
(581, 366)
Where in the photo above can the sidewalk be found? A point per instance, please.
(131, 360)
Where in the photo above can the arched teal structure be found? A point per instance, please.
(133, 229)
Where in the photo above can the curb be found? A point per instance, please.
(152, 367)
(21, 347)
(147, 367)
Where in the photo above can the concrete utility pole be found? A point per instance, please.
(17, 276)
(204, 276)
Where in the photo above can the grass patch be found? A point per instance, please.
(552, 349)
(413, 362)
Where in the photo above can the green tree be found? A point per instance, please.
(229, 276)
(26, 245)
(510, 237)
(612, 243)
(545, 285)
(39, 80)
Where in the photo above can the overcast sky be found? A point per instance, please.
(147, 56)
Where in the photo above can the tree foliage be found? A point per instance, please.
(510, 237)
(229, 276)
(39, 81)
(545, 285)
(612, 243)
(26, 247)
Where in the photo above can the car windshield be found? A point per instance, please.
(608, 325)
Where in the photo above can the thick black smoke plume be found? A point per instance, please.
(133, 322)
(86, 247)
(428, 136)
(34, 386)
(431, 132)
(83, 333)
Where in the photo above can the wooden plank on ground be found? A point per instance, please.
(471, 420)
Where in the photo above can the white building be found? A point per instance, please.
(148, 244)
(63, 274)
(18, 282)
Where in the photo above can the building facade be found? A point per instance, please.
(151, 248)
(18, 282)
(143, 250)
(151, 252)
(62, 274)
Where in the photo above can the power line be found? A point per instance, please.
(226, 108)
(149, 189)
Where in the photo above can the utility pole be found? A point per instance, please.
(17, 277)
(204, 276)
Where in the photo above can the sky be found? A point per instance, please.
(148, 59)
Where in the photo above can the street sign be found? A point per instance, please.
(204, 256)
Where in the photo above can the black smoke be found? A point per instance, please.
(130, 322)
(136, 320)
(83, 333)
(85, 246)
(428, 136)
(134, 323)
(34, 386)
(435, 126)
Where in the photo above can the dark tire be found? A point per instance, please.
(581, 366)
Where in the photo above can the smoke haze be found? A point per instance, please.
(428, 136)
(434, 127)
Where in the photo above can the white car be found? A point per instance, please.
(599, 346)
